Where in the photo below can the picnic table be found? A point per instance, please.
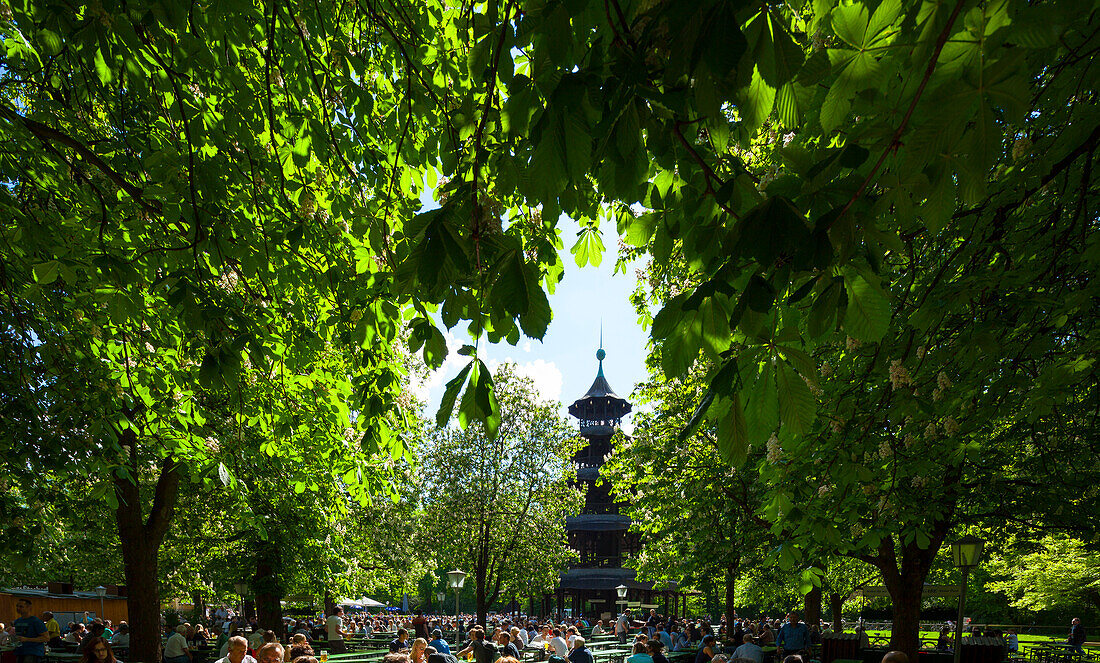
(609, 655)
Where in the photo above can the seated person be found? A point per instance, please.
(749, 649)
(640, 654)
(121, 637)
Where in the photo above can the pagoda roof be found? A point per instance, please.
(600, 389)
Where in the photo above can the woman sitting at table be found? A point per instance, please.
(640, 654)
(416, 654)
(706, 650)
(299, 646)
(98, 651)
(655, 649)
(683, 641)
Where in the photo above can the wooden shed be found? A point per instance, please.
(67, 606)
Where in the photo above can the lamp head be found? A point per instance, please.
(621, 590)
(455, 579)
(967, 552)
(101, 591)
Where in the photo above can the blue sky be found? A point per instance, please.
(564, 364)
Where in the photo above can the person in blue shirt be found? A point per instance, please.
(794, 636)
(30, 632)
(438, 643)
(666, 637)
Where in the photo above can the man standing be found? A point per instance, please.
(30, 633)
(1076, 636)
(420, 625)
(653, 622)
(793, 636)
(335, 626)
(53, 628)
(622, 626)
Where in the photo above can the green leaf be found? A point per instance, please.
(101, 68)
(589, 247)
(46, 272)
(733, 434)
(762, 406)
(786, 105)
(797, 408)
(757, 100)
(868, 315)
(450, 394)
(850, 23)
(511, 287)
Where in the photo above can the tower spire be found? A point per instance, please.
(600, 354)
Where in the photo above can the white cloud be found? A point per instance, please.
(434, 381)
(544, 374)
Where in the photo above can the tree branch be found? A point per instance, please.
(49, 135)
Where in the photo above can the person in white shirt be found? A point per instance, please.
(176, 650)
(335, 626)
(238, 651)
(561, 647)
(76, 635)
(749, 650)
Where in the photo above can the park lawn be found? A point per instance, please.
(1025, 640)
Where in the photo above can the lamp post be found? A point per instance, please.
(455, 580)
(965, 554)
(621, 590)
(439, 596)
(240, 587)
(101, 591)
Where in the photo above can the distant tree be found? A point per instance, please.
(495, 506)
(1054, 572)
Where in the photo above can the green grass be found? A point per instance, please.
(1026, 641)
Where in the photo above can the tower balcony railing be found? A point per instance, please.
(594, 562)
(611, 422)
(600, 508)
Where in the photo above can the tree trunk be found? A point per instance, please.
(905, 634)
(141, 538)
(905, 582)
(731, 587)
(330, 603)
(812, 607)
(200, 606)
(811, 604)
(836, 607)
(269, 590)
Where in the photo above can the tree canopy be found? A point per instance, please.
(871, 220)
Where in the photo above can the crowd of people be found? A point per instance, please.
(92, 638)
(420, 639)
